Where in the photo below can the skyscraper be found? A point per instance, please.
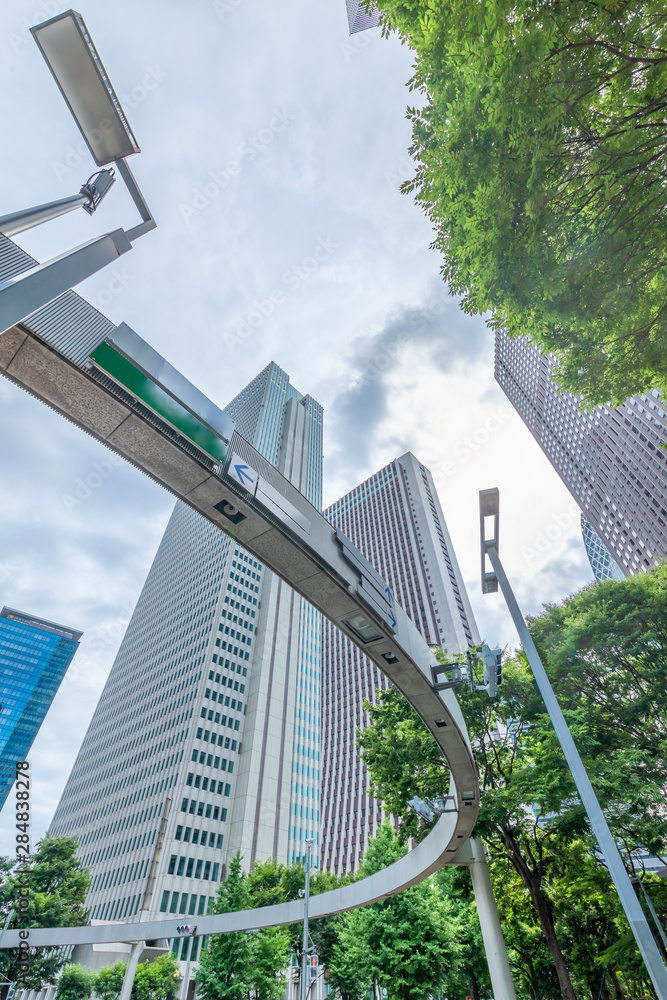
(205, 739)
(395, 519)
(358, 17)
(34, 657)
(610, 459)
(603, 564)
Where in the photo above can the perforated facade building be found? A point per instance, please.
(610, 459)
(206, 737)
(603, 564)
(396, 520)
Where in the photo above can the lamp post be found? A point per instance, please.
(489, 516)
(78, 70)
(303, 992)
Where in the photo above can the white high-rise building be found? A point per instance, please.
(359, 18)
(395, 519)
(205, 740)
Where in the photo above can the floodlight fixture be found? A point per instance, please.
(74, 61)
(489, 524)
(78, 70)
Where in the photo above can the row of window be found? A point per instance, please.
(210, 761)
(193, 868)
(198, 904)
(212, 716)
(193, 807)
(203, 783)
(190, 836)
(241, 654)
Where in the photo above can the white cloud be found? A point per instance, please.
(332, 173)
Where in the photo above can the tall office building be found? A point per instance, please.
(205, 739)
(602, 562)
(34, 657)
(359, 18)
(610, 459)
(395, 519)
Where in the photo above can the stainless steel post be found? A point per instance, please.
(304, 947)
(18, 222)
(130, 970)
(619, 876)
(502, 985)
(23, 294)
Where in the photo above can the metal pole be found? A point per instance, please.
(656, 918)
(18, 222)
(619, 876)
(304, 947)
(502, 985)
(130, 970)
(9, 917)
(23, 294)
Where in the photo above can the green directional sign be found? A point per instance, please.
(160, 402)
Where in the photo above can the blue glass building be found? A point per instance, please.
(34, 656)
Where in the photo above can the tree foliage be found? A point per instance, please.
(109, 981)
(606, 655)
(540, 156)
(57, 887)
(239, 965)
(74, 983)
(157, 979)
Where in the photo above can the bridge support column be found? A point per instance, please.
(494, 944)
(130, 970)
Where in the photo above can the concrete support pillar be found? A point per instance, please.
(130, 970)
(494, 945)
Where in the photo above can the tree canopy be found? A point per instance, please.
(605, 651)
(57, 888)
(540, 159)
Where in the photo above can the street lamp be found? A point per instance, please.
(78, 70)
(489, 516)
(304, 946)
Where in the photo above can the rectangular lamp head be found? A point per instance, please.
(78, 70)
(489, 526)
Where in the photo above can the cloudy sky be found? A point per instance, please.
(267, 134)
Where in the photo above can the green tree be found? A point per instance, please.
(57, 886)
(236, 965)
(406, 943)
(74, 983)
(605, 652)
(540, 155)
(156, 980)
(109, 981)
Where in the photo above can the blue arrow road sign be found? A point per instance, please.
(243, 473)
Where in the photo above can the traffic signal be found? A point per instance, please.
(313, 969)
(493, 669)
